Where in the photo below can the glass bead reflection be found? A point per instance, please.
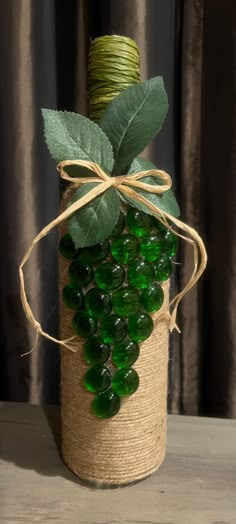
(96, 351)
(125, 353)
(171, 243)
(140, 327)
(113, 329)
(106, 404)
(152, 298)
(125, 248)
(97, 303)
(97, 378)
(163, 268)
(72, 296)
(125, 301)
(80, 273)
(139, 223)
(151, 247)
(141, 274)
(67, 247)
(125, 382)
(95, 254)
(84, 325)
(109, 275)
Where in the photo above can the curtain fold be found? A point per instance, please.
(218, 181)
(187, 350)
(205, 354)
(28, 198)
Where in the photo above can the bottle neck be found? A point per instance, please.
(114, 65)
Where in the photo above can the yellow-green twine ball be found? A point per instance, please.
(114, 65)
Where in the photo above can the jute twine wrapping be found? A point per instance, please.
(131, 445)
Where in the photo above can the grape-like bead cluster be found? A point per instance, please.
(114, 287)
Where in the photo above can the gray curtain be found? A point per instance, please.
(44, 47)
(218, 190)
(186, 368)
(29, 197)
(204, 367)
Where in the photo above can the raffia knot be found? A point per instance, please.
(125, 185)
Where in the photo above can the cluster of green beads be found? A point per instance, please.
(114, 287)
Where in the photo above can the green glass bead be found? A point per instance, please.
(97, 303)
(97, 378)
(67, 247)
(125, 382)
(80, 273)
(109, 275)
(96, 351)
(139, 223)
(113, 329)
(151, 247)
(140, 327)
(106, 404)
(84, 325)
(159, 226)
(125, 301)
(72, 296)
(152, 298)
(125, 248)
(119, 227)
(95, 254)
(171, 243)
(125, 353)
(141, 274)
(163, 268)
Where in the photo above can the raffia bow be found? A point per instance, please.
(124, 185)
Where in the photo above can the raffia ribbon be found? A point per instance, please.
(124, 185)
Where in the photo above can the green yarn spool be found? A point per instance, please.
(114, 65)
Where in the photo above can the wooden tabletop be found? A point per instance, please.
(195, 485)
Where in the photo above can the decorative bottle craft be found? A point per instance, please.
(117, 245)
(117, 381)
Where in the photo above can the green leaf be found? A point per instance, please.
(133, 119)
(166, 201)
(79, 171)
(94, 222)
(70, 136)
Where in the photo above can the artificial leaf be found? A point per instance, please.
(165, 201)
(133, 119)
(95, 221)
(76, 171)
(70, 136)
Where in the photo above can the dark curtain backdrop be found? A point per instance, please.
(205, 367)
(43, 62)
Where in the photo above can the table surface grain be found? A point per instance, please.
(195, 485)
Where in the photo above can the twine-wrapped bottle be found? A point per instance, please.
(131, 444)
(119, 235)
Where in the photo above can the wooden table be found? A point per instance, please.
(196, 484)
